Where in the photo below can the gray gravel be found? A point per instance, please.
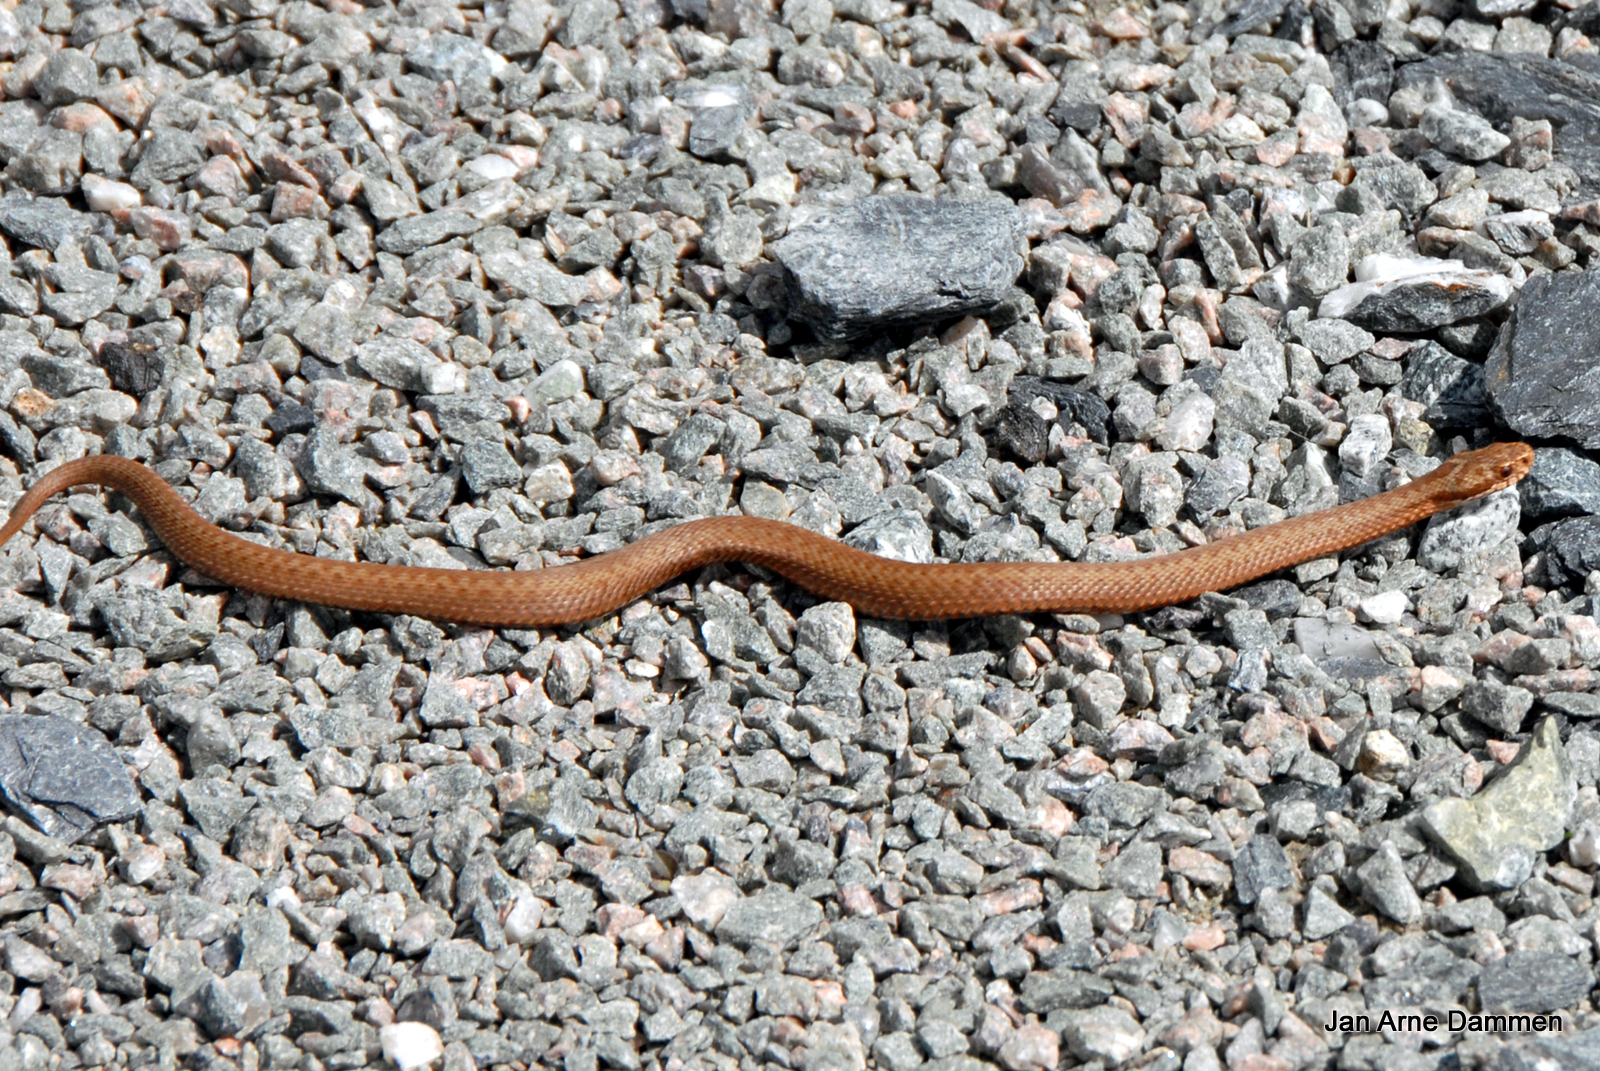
(496, 285)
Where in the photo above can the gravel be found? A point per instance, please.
(504, 284)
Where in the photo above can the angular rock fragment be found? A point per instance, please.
(897, 260)
(1494, 835)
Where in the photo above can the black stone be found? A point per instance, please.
(312, 370)
(1451, 388)
(1415, 305)
(897, 260)
(1326, 797)
(63, 777)
(1542, 375)
(1173, 618)
(1503, 86)
(1362, 69)
(135, 368)
(1074, 406)
(1572, 548)
(1022, 432)
(1472, 339)
(290, 417)
(1277, 598)
(1585, 20)
(1560, 484)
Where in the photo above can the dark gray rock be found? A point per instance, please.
(714, 130)
(1472, 339)
(1503, 87)
(1275, 598)
(1385, 886)
(1560, 484)
(1451, 388)
(1076, 406)
(897, 260)
(1260, 864)
(1393, 183)
(1416, 303)
(331, 467)
(407, 236)
(215, 805)
(264, 941)
(63, 777)
(1225, 481)
(774, 916)
(1571, 1052)
(44, 222)
(1528, 982)
(225, 1007)
(1047, 991)
(135, 368)
(139, 617)
(70, 76)
(1572, 548)
(1573, 704)
(1249, 15)
(171, 154)
(684, 448)
(801, 861)
(1362, 69)
(1541, 376)
(1125, 803)
(1022, 432)
(1499, 706)
(487, 464)
(1136, 870)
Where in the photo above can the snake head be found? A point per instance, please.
(1481, 472)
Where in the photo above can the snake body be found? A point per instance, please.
(875, 586)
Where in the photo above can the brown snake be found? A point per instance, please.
(878, 587)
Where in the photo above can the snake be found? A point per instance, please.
(875, 586)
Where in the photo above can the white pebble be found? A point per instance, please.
(410, 1045)
(1367, 444)
(705, 897)
(107, 195)
(1583, 850)
(1383, 755)
(283, 896)
(1384, 608)
(1188, 426)
(557, 383)
(522, 921)
(493, 166)
(1364, 111)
